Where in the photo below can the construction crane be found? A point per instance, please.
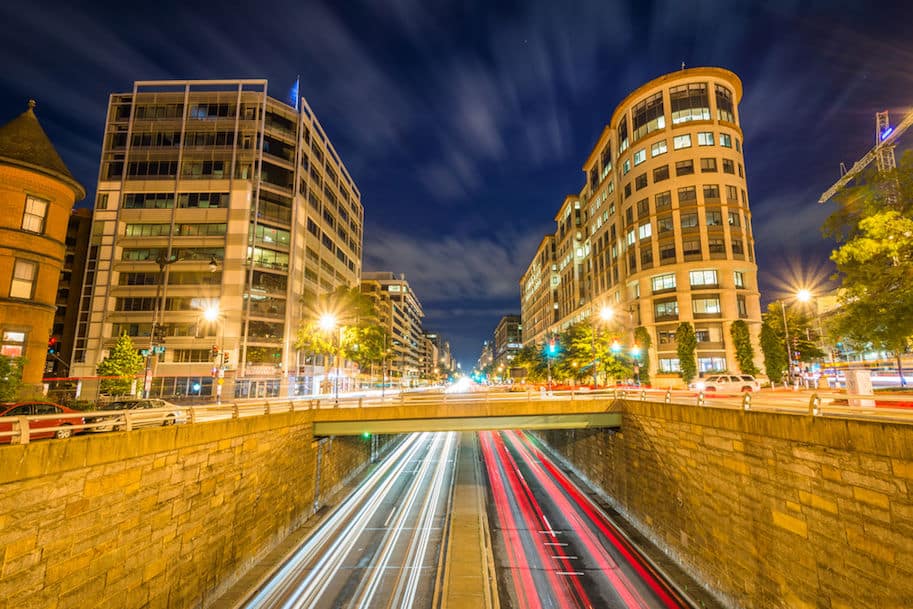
(882, 153)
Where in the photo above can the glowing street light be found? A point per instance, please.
(211, 312)
(327, 322)
(803, 295)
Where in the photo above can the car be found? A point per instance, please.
(29, 409)
(727, 383)
(118, 422)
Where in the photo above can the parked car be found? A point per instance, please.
(19, 409)
(117, 422)
(727, 383)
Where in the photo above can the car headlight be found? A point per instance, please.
(700, 386)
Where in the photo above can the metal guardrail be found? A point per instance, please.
(878, 407)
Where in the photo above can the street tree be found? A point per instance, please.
(10, 377)
(532, 359)
(873, 227)
(120, 367)
(687, 346)
(744, 351)
(803, 336)
(774, 352)
(644, 342)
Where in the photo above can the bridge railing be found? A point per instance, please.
(880, 407)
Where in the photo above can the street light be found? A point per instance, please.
(328, 323)
(605, 314)
(212, 314)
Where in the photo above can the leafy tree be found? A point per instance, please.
(803, 337)
(122, 364)
(875, 261)
(10, 377)
(774, 352)
(687, 345)
(643, 340)
(532, 358)
(744, 352)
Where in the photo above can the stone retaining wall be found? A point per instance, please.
(768, 510)
(164, 517)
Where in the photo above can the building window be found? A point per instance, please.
(661, 173)
(667, 252)
(691, 247)
(669, 365)
(684, 168)
(663, 283)
(630, 239)
(703, 279)
(689, 221)
(645, 230)
(711, 191)
(705, 138)
(664, 224)
(728, 166)
(640, 156)
(663, 200)
(706, 305)
(623, 135)
(665, 310)
(687, 194)
(643, 208)
(714, 217)
(689, 103)
(629, 216)
(734, 219)
(34, 216)
(666, 337)
(739, 279)
(681, 141)
(659, 148)
(626, 167)
(740, 303)
(627, 191)
(711, 364)
(646, 257)
(738, 147)
(732, 194)
(101, 200)
(13, 344)
(724, 107)
(716, 246)
(726, 140)
(737, 248)
(708, 165)
(640, 182)
(741, 175)
(648, 116)
(23, 283)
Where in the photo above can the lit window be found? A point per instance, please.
(669, 365)
(663, 282)
(681, 141)
(726, 140)
(13, 344)
(626, 167)
(705, 138)
(640, 156)
(734, 218)
(705, 306)
(630, 237)
(659, 148)
(35, 212)
(739, 278)
(703, 278)
(24, 273)
(645, 230)
(711, 364)
(665, 310)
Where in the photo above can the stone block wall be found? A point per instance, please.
(165, 517)
(769, 510)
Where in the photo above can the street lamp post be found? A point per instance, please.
(212, 314)
(163, 262)
(329, 323)
(789, 351)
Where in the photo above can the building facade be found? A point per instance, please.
(401, 314)
(214, 198)
(661, 230)
(37, 193)
(63, 333)
(507, 340)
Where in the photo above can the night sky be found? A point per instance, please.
(466, 124)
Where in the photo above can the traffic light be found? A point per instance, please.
(53, 345)
(215, 352)
(552, 347)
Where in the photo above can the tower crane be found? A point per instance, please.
(882, 153)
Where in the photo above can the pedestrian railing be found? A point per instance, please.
(878, 407)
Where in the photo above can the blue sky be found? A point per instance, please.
(464, 124)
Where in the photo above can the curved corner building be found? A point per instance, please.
(661, 231)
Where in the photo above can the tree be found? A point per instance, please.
(643, 340)
(532, 358)
(875, 260)
(122, 364)
(744, 352)
(774, 352)
(10, 377)
(687, 345)
(803, 338)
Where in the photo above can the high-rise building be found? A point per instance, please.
(661, 230)
(401, 313)
(37, 193)
(507, 340)
(220, 209)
